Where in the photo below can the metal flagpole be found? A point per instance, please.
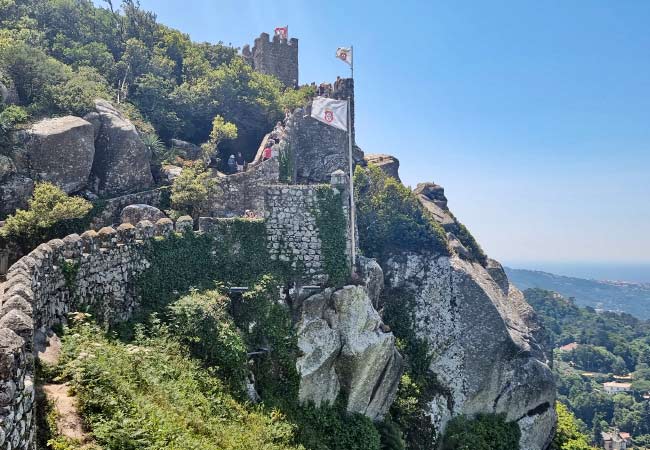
(353, 222)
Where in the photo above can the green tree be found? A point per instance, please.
(48, 207)
(568, 435)
(221, 130)
(484, 432)
(193, 191)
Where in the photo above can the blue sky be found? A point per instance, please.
(533, 115)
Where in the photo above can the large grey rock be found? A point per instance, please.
(61, 150)
(189, 150)
(8, 92)
(343, 346)
(7, 168)
(489, 353)
(389, 164)
(370, 364)
(15, 191)
(372, 276)
(121, 159)
(135, 213)
(432, 197)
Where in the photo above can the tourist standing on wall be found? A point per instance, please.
(268, 151)
(240, 162)
(232, 164)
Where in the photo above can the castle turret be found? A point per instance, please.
(278, 57)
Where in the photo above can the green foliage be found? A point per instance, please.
(178, 86)
(391, 436)
(11, 116)
(49, 208)
(70, 270)
(202, 322)
(468, 241)
(568, 435)
(484, 432)
(391, 219)
(417, 385)
(332, 228)
(595, 359)
(47, 86)
(233, 253)
(194, 191)
(609, 342)
(150, 395)
(268, 329)
(221, 130)
(285, 161)
(329, 427)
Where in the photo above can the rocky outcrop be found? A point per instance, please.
(188, 150)
(8, 92)
(432, 197)
(345, 346)
(389, 164)
(489, 353)
(122, 161)
(61, 151)
(15, 190)
(135, 213)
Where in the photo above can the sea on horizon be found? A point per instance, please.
(611, 271)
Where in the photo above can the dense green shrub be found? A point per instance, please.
(50, 211)
(194, 191)
(391, 219)
(329, 427)
(202, 322)
(484, 432)
(150, 395)
(418, 384)
(268, 330)
(568, 435)
(391, 436)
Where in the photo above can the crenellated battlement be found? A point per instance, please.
(278, 57)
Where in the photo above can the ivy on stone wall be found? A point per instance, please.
(233, 252)
(332, 229)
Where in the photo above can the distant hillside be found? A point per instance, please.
(632, 298)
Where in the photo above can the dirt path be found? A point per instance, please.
(68, 420)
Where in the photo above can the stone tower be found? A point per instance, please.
(277, 57)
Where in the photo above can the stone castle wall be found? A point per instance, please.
(245, 191)
(96, 272)
(110, 213)
(277, 57)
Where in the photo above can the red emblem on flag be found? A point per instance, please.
(283, 32)
(329, 116)
(344, 56)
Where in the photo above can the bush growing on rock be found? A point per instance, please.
(484, 432)
(390, 217)
(49, 208)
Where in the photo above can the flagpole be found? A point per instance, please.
(353, 222)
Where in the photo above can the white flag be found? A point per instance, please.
(344, 54)
(331, 112)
